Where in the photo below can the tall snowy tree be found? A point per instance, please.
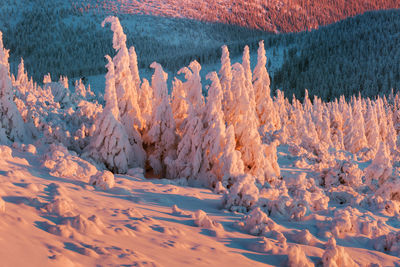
(356, 136)
(125, 85)
(372, 127)
(110, 142)
(133, 64)
(221, 160)
(179, 104)
(225, 76)
(12, 126)
(266, 113)
(193, 86)
(146, 104)
(190, 155)
(161, 139)
(245, 123)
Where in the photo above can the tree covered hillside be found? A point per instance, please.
(55, 37)
(272, 15)
(359, 54)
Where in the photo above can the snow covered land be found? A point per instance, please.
(141, 177)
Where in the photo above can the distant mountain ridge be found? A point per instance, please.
(273, 15)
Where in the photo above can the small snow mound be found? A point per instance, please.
(258, 223)
(243, 194)
(304, 237)
(103, 180)
(389, 243)
(96, 220)
(2, 205)
(133, 213)
(60, 206)
(336, 256)
(56, 189)
(136, 172)
(178, 211)
(83, 225)
(297, 258)
(30, 149)
(344, 172)
(220, 189)
(201, 219)
(66, 164)
(5, 152)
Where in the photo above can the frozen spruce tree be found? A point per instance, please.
(221, 161)
(380, 169)
(133, 64)
(246, 64)
(161, 140)
(372, 127)
(110, 142)
(11, 123)
(190, 155)
(225, 76)
(179, 105)
(125, 85)
(245, 124)
(146, 104)
(266, 112)
(192, 86)
(356, 136)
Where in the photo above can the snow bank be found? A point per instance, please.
(63, 163)
(201, 219)
(389, 243)
(60, 206)
(336, 256)
(297, 257)
(2, 205)
(258, 223)
(243, 194)
(103, 180)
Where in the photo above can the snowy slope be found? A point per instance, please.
(48, 221)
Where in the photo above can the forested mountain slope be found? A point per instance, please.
(55, 37)
(359, 54)
(275, 15)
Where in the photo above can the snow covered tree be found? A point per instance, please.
(245, 123)
(246, 64)
(190, 153)
(381, 167)
(193, 86)
(11, 123)
(357, 137)
(179, 104)
(336, 125)
(372, 127)
(146, 104)
(266, 113)
(110, 142)
(221, 160)
(161, 139)
(225, 76)
(133, 64)
(125, 85)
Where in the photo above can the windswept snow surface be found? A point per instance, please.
(54, 220)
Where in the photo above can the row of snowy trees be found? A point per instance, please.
(234, 131)
(186, 137)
